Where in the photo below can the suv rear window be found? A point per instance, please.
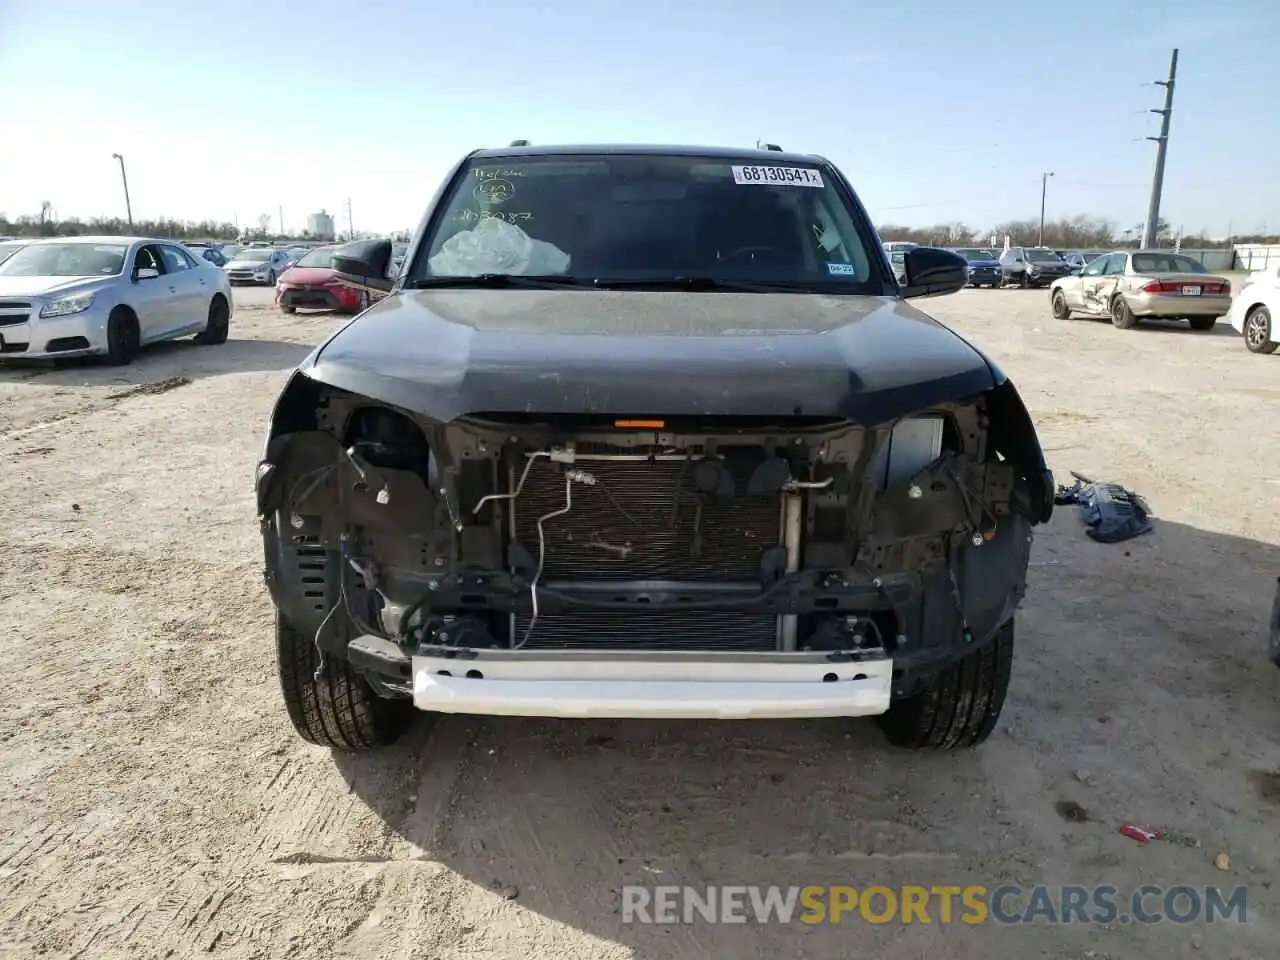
(639, 218)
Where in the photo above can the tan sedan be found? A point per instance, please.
(1129, 285)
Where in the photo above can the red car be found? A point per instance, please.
(312, 282)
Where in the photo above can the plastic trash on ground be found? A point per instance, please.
(1142, 834)
(495, 246)
(1111, 513)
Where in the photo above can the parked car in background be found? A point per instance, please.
(398, 253)
(984, 266)
(107, 296)
(312, 282)
(898, 258)
(210, 252)
(1077, 260)
(257, 265)
(1255, 310)
(9, 247)
(893, 246)
(1033, 266)
(1129, 286)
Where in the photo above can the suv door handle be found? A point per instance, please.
(173, 289)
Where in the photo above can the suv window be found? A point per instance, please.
(629, 218)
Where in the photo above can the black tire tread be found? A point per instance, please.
(960, 707)
(216, 329)
(1126, 320)
(338, 709)
(1270, 346)
(123, 337)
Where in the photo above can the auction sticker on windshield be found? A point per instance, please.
(783, 176)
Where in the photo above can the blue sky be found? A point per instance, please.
(937, 111)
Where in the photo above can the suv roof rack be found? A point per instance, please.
(519, 143)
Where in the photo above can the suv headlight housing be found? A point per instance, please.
(67, 306)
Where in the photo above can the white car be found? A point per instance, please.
(107, 296)
(257, 265)
(1255, 309)
(9, 247)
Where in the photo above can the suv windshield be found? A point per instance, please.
(635, 220)
(971, 254)
(1043, 256)
(66, 260)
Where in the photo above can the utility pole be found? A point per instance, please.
(351, 227)
(1044, 185)
(1150, 235)
(124, 179)
(282, 220)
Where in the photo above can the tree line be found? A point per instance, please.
(1067, 233)
(46, 225)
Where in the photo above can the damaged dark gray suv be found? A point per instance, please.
(648, 432)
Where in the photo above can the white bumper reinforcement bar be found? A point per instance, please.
(673, 686)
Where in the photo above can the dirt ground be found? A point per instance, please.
(154, 801)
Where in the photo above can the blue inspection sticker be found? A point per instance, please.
(840, 269)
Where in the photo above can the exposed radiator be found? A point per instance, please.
(636, 630)
(644, 520)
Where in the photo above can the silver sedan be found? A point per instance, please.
(108, 296)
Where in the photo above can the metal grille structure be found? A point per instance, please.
(644, 520)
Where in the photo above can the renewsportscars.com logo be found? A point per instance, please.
(970, 905)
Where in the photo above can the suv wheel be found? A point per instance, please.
(960, 706)
(338, 709)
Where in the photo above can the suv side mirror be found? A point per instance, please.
(933, 272)
(364, 264)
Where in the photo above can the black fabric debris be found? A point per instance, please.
(1111, 513)
(1275, 627)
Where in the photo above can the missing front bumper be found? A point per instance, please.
(644, 686)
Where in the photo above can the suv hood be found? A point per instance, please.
(43, 286)
(984, 264)
(449, 353)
